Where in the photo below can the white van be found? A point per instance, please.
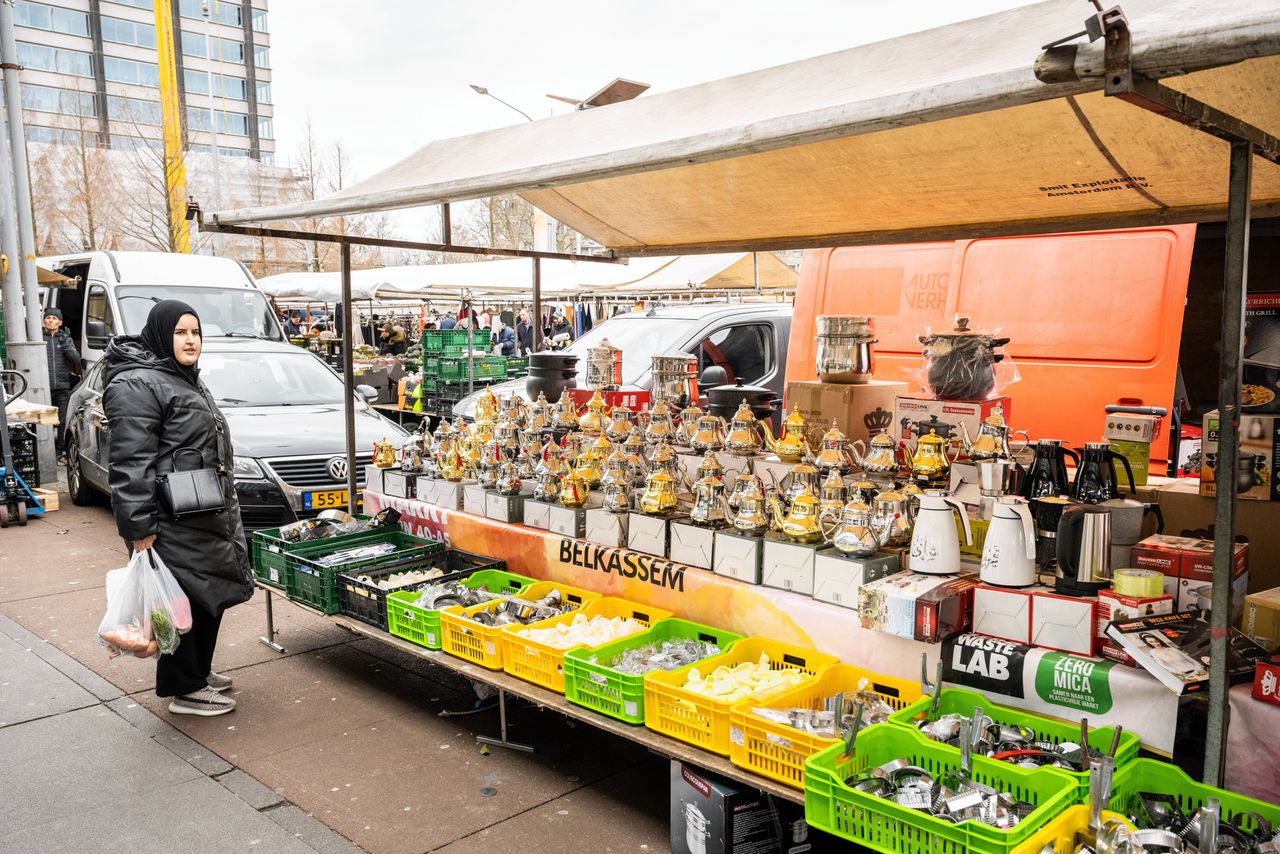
(110, 293)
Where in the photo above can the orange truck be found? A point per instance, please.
(1094, 318)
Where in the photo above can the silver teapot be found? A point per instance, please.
(710, 508)
(891, 519)
(850, 531)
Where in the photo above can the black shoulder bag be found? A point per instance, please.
(191, 492)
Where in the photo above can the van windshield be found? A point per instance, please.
(222, 311)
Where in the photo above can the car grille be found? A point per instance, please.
(313, 472)
(257, 518)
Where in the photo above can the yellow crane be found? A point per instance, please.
(175, 170)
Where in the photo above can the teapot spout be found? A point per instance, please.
(766, 434)
(965, 440)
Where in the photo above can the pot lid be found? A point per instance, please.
(750, 392)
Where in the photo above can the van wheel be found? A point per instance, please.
(82, 494)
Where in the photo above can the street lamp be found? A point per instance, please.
(480, 90)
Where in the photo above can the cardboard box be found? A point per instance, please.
(859, 411)
(838, 578)
(908, 409)
(373, 478)
(649, 534)
(788, 565)
(1262, 618)
(738, 556)
(1003, 612)
(1139, 456)
(1064, 623)
(1112, 606)
(537, 514)
(606, 527)
(504, 508)
(926, 608)
(1266, 682)
(1196, 593)
(711, 815)
(1260, 436)
(692, 544)
(1262, 347)
(474, 499)
(1188, 513)
(567, 521)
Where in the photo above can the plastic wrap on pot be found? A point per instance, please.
(964, 363)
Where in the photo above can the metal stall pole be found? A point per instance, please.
(502, 728)
(536, 320)
(1235, 280)
(348, 380)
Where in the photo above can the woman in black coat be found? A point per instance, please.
(156, 404)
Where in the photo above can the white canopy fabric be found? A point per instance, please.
(721, 271)
(945, 132)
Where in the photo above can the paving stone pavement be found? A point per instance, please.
(338, 745)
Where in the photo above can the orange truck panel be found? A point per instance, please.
(1095, 318)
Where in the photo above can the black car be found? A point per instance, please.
(285, 409)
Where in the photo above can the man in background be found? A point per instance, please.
(64, 368)
(524, 333)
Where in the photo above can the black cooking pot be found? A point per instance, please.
(961, 363)
(550, 374)
(1246, 465)
(724, 400)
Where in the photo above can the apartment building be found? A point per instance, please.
(90, 67)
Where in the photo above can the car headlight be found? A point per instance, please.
(247, 468)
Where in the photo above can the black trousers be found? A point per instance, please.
(60, 397)
(187, 669)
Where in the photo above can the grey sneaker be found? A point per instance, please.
(206, 703)
(217, 681)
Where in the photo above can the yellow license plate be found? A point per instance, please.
(325, 500)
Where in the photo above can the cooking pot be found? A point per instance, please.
(724, 400)
(1246, 465)
(674, 379)
(844, 348)
(550, 374)
(961, 363)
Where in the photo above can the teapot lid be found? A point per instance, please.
(596, 401)
(744, 412)
(803, 467)
(884, 440)
(795, 419)
(659, 406)
(932, 438)
(833, 479)
(996, 418)
(833, 433)
(711, 480)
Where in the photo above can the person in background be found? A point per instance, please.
(485, 320)
(291, 325)
(448, 322)
(506, 341)
(394, 341)
(64, 367)
(157, 405)
(524, 334)
(560, 325)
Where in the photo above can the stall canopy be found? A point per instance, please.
(942, 133)
(716, 272)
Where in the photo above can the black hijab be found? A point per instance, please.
(157, 335)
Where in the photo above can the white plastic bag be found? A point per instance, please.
(146, 609)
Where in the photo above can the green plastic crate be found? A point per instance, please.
(437, 341)
(422, 625)
(270, 553)
(620, 695)
(1150, 775)
(880, 824)
(315, 585)
(960, 702)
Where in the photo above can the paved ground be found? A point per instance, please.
(335, 746)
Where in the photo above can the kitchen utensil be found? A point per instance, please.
(935, 545)
(1127, 516)
(708, 434)
(659, 427)
(995, 478)
(659, 494)
(743, 437)
(604, 366)
(960, 363)
(850, 530)
(844, 353)
(836, 452)
(883, 457)
(799, 522)
(550, 374)
(710, 509)
(793, 437)
(1009, 551)
(751, 514)
(1096, 476)
(992, 441)
(891, 518)
(930, 462)
(688, 422)
(675, 379)
(1083, 550)
(1047, 474)
(725, 400)
(1047, 512)
(593, 420)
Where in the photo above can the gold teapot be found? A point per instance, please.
(592, 422)
(929, 460)
(481, 431)
(832, 493)
(793, 437)
(850, 530)
(800, 521)
(449, 462)
(710, 509)
(540, 414)
(589, 468)
(751, 514)
(549, 475)
(566, 417)
(836, 451)
(708, 434)
(659, 493)
(883, 457)
(992, 442)
(743, 436)
(710, 466)
(574, 490)
(620, 424)
(486, 407)
(688, 424)
(384, 454)
(659, 428)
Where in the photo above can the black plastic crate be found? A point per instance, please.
(26, 453)
(368, 602)
(316, 585)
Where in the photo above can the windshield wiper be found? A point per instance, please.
(231, 400)
(236, 335)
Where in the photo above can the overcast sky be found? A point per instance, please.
(387, 76)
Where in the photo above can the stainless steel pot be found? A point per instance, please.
(675, 379)
(844, 348)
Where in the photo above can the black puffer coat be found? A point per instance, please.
(153, 410)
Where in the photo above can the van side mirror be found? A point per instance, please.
(368, 392)
(713, 376)
(96, 334)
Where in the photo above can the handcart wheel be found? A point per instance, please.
(4, 515)
(22, 514)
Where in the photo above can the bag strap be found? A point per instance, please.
(187, 450)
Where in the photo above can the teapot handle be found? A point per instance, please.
(827, 533)
(1128, 469)
(859, 446)
(1026, 440)
(1028, 528)
(964, 518)
(953, 445)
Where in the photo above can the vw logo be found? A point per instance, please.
(338, 468)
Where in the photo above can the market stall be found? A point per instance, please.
(878, 144)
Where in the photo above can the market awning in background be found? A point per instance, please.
(721, 271)
(941, 133)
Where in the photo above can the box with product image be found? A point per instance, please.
(1131, 436)
(926, 608)
(1112, 607)
(711, 815)
(912, 408)
(1261, 368)
(1174, 648)
(1187, 564)
(1259, 449)
(1262, 618)
(1266, 682)
(859, 410)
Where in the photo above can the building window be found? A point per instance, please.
(225, 86)
(193, 44)
(232, 123)
(223, 151)
(41, 17)
(264, 128)
(47, 99)
(133, 110)
(60, 60)
(59, 136)
(267, 158)
(228, 50)
(263, 92)
(130, 71)
(261, 56)
(219, 10)
(125, 142)
(260, 20)
(128, 32)
(149, 5)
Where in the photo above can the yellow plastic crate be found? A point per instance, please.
(542, 664)
(461, 636)
(704, 721)
(778, 751)
(1061, 832)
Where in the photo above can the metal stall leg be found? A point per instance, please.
(502, 723)
(269, 639)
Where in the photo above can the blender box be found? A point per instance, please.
(1139, 456)
(712, 815)
(910, 408)
(925, 608)
(1260, 438)
(1262, 618)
